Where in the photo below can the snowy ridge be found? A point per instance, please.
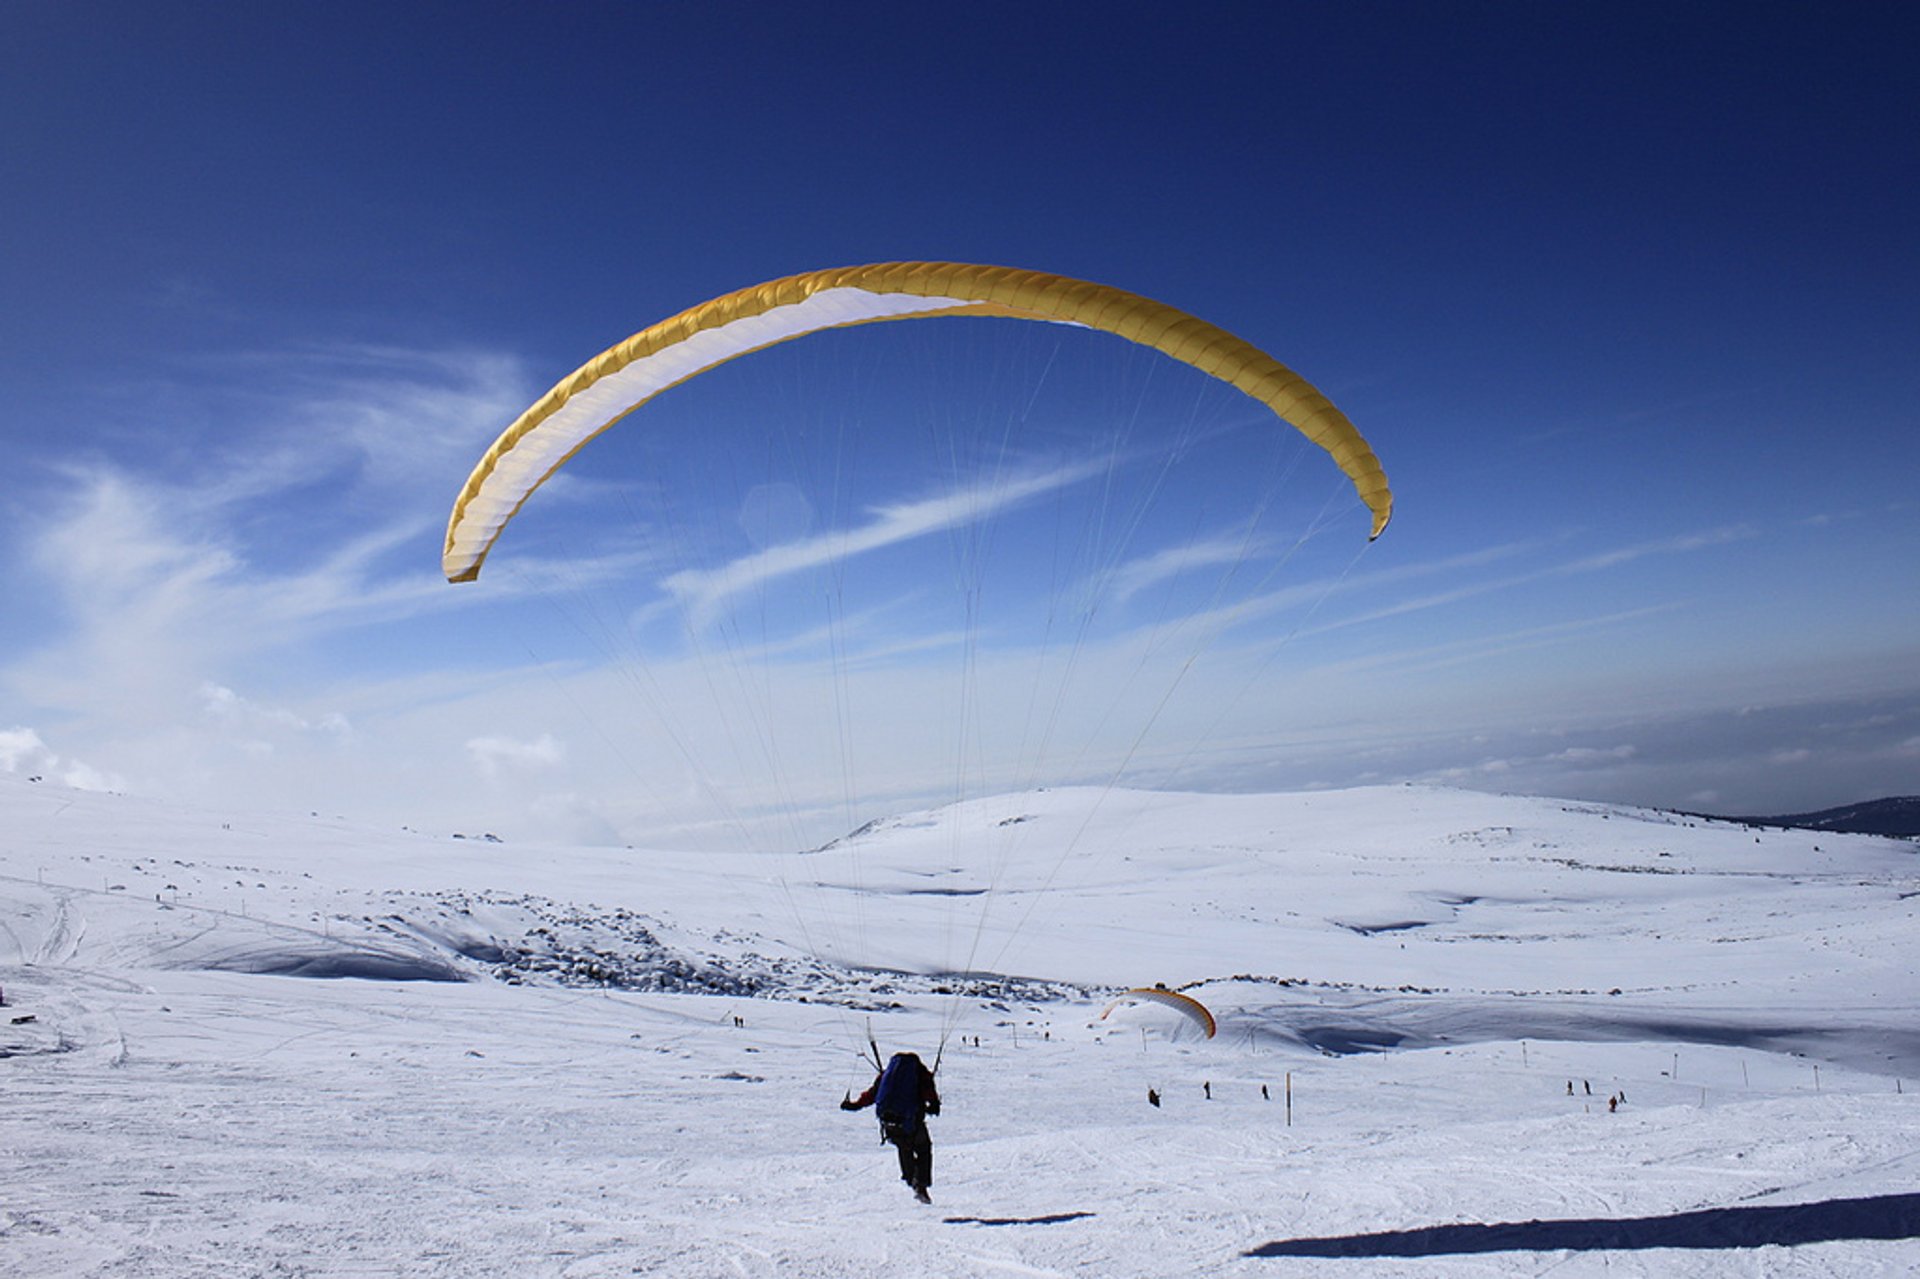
(308, 1048)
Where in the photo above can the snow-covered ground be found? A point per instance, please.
(286, 1046)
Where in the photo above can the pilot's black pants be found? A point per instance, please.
(916, 1152)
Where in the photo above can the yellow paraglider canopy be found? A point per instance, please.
(1184, 1004)
(621, 379)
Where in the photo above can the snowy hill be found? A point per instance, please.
(595, 1061)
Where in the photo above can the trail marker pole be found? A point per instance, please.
(1289, 1099)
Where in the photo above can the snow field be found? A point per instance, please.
(180, 1107)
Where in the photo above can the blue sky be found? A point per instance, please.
(1622, 295)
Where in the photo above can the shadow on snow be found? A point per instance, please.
(1829, 1220)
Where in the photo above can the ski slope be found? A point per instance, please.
(285, 1045)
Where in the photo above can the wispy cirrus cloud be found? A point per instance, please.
(389, 417)
(1593, 563)
(1311, 594)
(704, 593)
(292, 497)
(1422, 658)
(1137, 575)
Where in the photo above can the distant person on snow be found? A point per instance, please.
(903, 1096)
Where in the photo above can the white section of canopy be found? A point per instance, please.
(599, 405)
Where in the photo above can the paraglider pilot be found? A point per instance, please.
(903, 1096)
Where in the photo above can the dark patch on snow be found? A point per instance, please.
(482, 952)
(1345, 1041)
(1573, 863)
(1823, 1043)
(359, 965)
(858, 832)
(868, 890)
(1000, 986)
(1398, 926)
(1745, 1226)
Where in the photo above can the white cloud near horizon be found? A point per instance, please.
(228, 707)
(23, 752)
(498, 754)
